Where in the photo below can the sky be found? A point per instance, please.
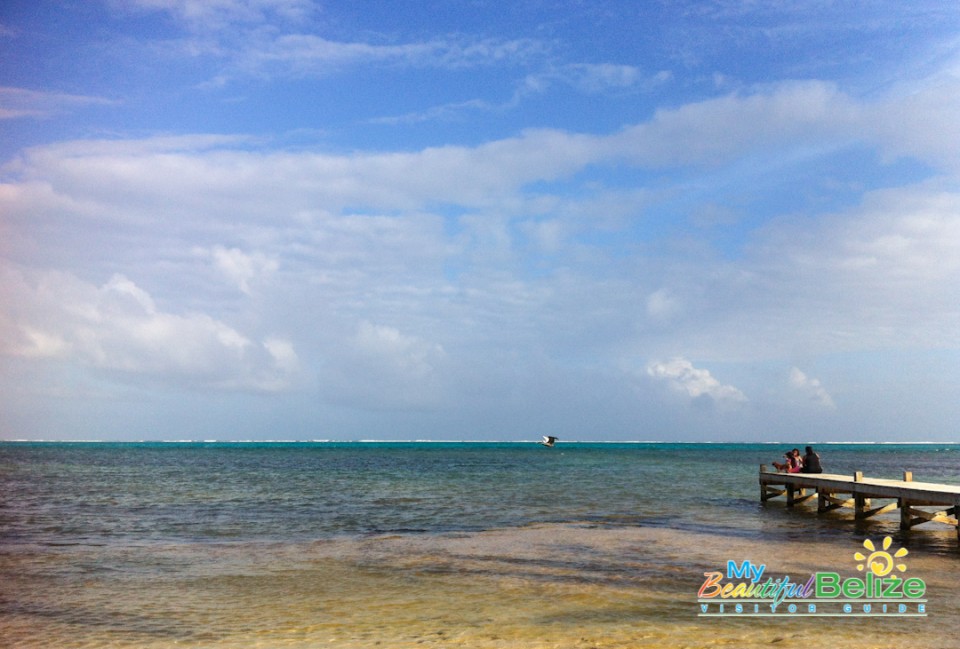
(722, 220)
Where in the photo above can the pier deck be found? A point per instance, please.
(913, 499)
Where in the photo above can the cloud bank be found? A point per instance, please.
(660, 272)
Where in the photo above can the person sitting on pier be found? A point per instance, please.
(793, 464)
(797, 465)
(811, 462)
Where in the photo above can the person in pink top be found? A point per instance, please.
(793, 462)
(796, 462)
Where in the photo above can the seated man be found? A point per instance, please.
(811, 462)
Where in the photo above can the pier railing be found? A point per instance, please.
(833, 491)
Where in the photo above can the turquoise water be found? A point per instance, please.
(117, 492)
(404, 544)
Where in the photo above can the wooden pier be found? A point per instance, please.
(913, 499)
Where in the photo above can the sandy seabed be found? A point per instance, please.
(540, 586)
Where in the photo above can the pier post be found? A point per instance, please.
(904, 513)
(763, 486)
(828, 501)
(904, 504)
(860, 502)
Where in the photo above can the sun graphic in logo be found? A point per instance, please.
(880, 562)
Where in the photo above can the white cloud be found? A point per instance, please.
(22, 102)
(919, 123)
(154, 182)
(717, 130)
(361, 221)
(241, 268)
(310, 54)
(380, 367)
(205, 15)
(911, 122)
(188, 174)
(117, 327)
(217, 187)
(811, 389)
(284, 356)
(208, 173)
(281, 39)
(408, 355)
(662, 305)
(593, 78)
(882, 276)
(696, 383)
(452, 256)
(445, 112)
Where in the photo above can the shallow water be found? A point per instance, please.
(348, 545)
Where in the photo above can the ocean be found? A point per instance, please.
(438, 544)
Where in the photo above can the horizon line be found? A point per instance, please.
(453, 441)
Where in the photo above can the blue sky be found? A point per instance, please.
(284, 219)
